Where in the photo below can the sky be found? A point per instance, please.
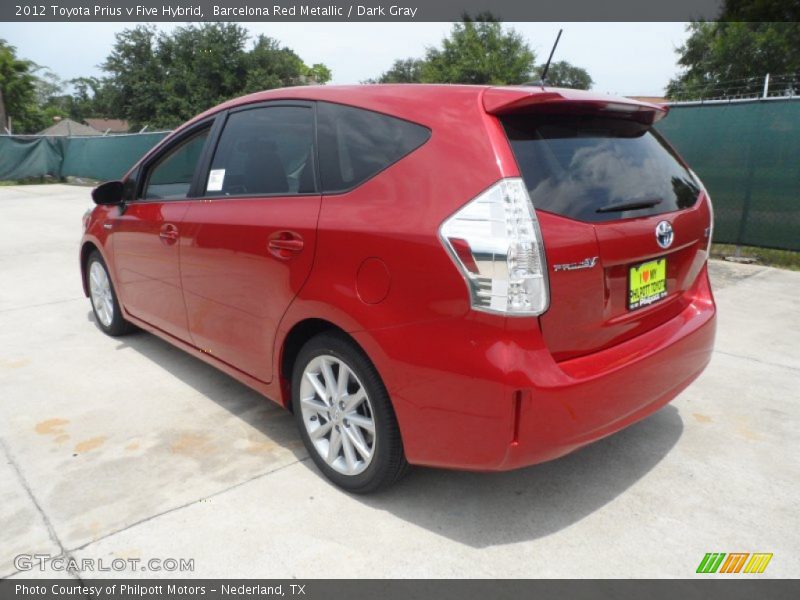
(622, 58)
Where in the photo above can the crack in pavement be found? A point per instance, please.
(43, 304)
(51, 532)
(758, 360)
(188, 504)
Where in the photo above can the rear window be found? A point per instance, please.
(355, 144)
(598, 169)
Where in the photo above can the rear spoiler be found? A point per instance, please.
(515, 100)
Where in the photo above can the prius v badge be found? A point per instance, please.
(586, 263)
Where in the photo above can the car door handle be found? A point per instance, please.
(285, 244)
(168, 233)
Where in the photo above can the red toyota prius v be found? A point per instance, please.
(470, 277)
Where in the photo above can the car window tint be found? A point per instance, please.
(586, 167)
(171, 177)
(355, 144)
(267, 150)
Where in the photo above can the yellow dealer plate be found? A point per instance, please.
(647, 283)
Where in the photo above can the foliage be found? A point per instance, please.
(732, 56)
(563, 74)
(481, 51)
(163, 79)
(155, 79)
(408, 70)
(18, 90)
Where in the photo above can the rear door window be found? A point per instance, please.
(267, 150)
(356, 144)
(598, 169)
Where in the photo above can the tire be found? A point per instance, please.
(105, 305)
(348, 415)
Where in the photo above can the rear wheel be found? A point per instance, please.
(107, 313)
(345, 416)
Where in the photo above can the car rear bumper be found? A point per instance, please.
(469, 394)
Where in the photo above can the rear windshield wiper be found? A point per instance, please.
(632, 205)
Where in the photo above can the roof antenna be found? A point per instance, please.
(546, 68)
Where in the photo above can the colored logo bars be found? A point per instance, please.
(716, 562)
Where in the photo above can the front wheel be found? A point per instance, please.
(345, 416)
(107, 313)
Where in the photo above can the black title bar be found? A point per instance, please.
(146, 11)
(704, 587)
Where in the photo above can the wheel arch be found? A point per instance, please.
(86, 249)
(295, 339)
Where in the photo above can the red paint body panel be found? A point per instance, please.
(588, 308)
(470, 390)
(513, 99)
(147, 264)
(454, 393)
(235, 289)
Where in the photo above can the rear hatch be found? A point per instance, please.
(601, 181)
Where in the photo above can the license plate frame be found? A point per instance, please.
(647, 283)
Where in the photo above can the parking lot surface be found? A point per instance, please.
(129, 448)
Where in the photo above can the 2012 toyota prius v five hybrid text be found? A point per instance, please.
(470, 277)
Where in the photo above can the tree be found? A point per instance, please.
(17, 91)
(134, 87)
(86, 99)
(563, 74)
(318, 73)
(732, 56)
(408, 70)
(272, 66)
(161, 80)
(479, 51)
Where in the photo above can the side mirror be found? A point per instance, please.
(109, 192)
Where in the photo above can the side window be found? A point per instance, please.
(171, 177)
(267, 150)
(355, 144)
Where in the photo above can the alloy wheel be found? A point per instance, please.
(337, 415)
(100, 291)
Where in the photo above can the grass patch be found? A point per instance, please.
(31, 181)
(784, 259)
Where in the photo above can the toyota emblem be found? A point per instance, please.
(664, 234)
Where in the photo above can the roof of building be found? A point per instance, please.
(650, 99)
(110, 125)
(66, 127)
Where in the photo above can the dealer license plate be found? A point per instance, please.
(647, 283)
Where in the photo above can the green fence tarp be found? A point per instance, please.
(95, 157)
(746, 153)
(748, 156)
(106, 157)
(24, 157)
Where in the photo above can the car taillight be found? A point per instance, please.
(496, 243)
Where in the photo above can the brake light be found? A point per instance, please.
(496, 243)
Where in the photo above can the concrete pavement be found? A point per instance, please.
(129, 448)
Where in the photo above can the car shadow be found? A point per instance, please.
(487, 509)
(477, 509)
